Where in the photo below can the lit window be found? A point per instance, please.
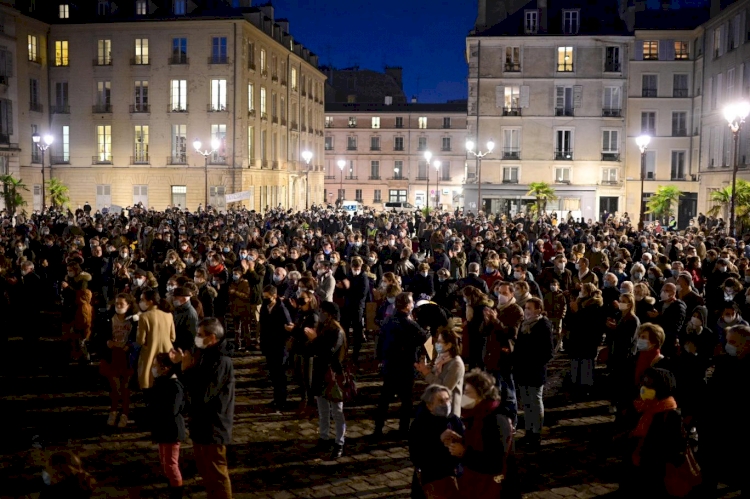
(65, 143)
(262, 102)
(423, 122)
(262, 61)
(104, 143)
(180, 7)
(140, 148)
(33, 48)
(294, 78)
(651, 50)
(141, 50)
(61, 53)
(250, 97)
(218, 95)
(178, 97)
(141, 7)
(564, 59)
(104, 52)
(64, 11)
(375, 122)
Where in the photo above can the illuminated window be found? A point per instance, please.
(564, 59)
(651, 50)
(141, 51)
(61, 53)
(64, 11)
(33, 48)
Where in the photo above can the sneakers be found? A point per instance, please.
(123, 421)
(112, 419)
(336, 452)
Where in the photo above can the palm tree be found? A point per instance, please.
(58, 193)
(543, 193)
(11, 193)
(722, 198)
(661, 203)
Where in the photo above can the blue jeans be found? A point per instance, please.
(507, 388)
(326, 409)
(533, 408)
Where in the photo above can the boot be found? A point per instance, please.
(337, 452)
(176, 492)
(323, 445)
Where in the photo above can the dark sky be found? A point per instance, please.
(425, 37)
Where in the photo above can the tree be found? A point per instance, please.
(543, 193)
(661, 203)
(722, 199)
(58, 193)
(11, 193)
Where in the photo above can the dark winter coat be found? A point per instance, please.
(167, 404)
(428, 454)
(534, 349)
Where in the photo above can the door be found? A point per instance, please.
(103, 196)
(179, 196)
(38, 197)
(607, 206)
(419, 198)
(216, 197)
(687, 209)
(140, 195)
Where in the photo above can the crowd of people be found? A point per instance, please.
(475, 306)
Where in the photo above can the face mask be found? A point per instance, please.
(46, 478)
(644, 245)
(467, 402)
(439, 348)
(276, 278)
(121, 310)
(638, 275)
(608, 284)
(489, 270)
(695, 322)
(327, 251)
(154, 372)
(578, 266)
(623, 306)
(560, 266)
(529, 315)
(722, 269)
(664, 296)
(123, 255)
(731, 349)
(554, 289)
(226, 250)
(171, 288)
(143, 306)
(321, 272)
(236, 277)
(199, 342)
(517, 275)
(425, 274)
(729, 319)
(502, 299)
(71, 274)
(443, 411)
(642, 344)
(596, 250)
(647, 393)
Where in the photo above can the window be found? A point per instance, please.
(678, 165)
(564, 145)
(510, 175)
(609, 175)
(374, 170)
(376, 197)
(179, 51)
(179, 196)
(104, 52)
(679, 124)
(398, 170)
(329, 122)
(564, 59)
(141, 51)
(610, 145)
(140, 195)
(294, 78)
(648, 123)
(680, 49)
(563, 101)
(65, 144)
(140, 151)
(375, 122)
(103, 96)
(35, 152)
(61, 53)
(219, 96)
(399, 122)
(570, 22)
(651, 50)
(358, 195)
(104, 143)
(531, 21)
(718, 37)
(512, 143)
(179, 144)
(263, 146)
(397, 195)
(141, 7)
(446, 145)
(612, 101)
(178, 96)
(612, 59)
(351, 143)
(398, 144)
(512, 106)
(422, 170)
(649, 85)
(562, 174)
(263, 68)
(103, 196)
(180, 7)
(34, 95)
(6, 120)
(141, 97)
(216, 197)
(6, 65)
(421, 143)
(33, 48)
(730, 83)
(650, 165)
(219, 132)
(512, 59)
(680, 85)
(251, 98)
(423, 122)
(218, 50)
(374, 143)
(352, 122)
(64, 12)
(446, 122)
(329, 143)
(251, 144)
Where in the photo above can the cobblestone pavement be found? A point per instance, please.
(271, 456)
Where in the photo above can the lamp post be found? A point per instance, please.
(215, 143)
(735, 114)
(437, 189)
(428, 157)
(642, 141)
(341, 164)
(479, 155)
(307, 156)
(43, 145)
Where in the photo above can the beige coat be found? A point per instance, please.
(156, 334)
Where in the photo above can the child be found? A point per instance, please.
(168, 424)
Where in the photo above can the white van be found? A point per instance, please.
(401, 207)
(352, 207)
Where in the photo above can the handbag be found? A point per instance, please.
(339, 387)
(679, 481)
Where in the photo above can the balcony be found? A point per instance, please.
(217, 108)
(59, 160)
(303, 128)
(36, 107)
(510, 180)
(398, 148)
(61, 109)
(251, 113)
(397, 177)
(179, 60)
(139, 61)
(562, 181)
(611, 112)
(251, 65)
(293, 125)
(139, 159)
(102, 159)
(373, 177)
(612, 67)
(375, 148)
(5, 140)
(564, 111)
(445, 179)
(177, 109)
(399, 125)
(101, 108)
(564, 155)
(511, 154)
(264, 116)
(512, 67)
(446, 149)
(330, 177)
(177, 159)
(218, 59)
(351, 148)
(682, 178)
(264, 73)
(140, 108)
(679, 132)
(283, 121)
(275, 120)
(648, 92)
(377, 200)
(611, 182)
(4, 79)
(217, 159)
(303, 93)
(351, 177)
(329, 124)
(422, 178)
(610, 156)
(275, 79)
(264, 163)
(352, 125)
(359, 200)
(102, 62)
(680, 92)
(274, 165)
(511, 111)
(283, 83)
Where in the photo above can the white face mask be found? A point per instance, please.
(143, 306)
(502, 299)
(154, 372)
(517, 275)
(624, 306)
(642, 344)
(199, 343)
(695, 322)
(664, 296)
(467, 402)
(121, 310)
(425, 274)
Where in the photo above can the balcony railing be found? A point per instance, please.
(303, 128)
(177, 109)
(61, 109)
(139, 61)
(562, 181)
(351, 177)
(217, 108)
(4, 79)
(283, 82)
(140, 108)
(102, 159)
(679, 132)
(274, 78)
(139, 159)
(218, 59)
(679, 178)
(611, 112)
(274, 165)
(264, 74)
(264, 116)
(422, 178)
(612, 67)
(610, 156)
(510, 180)
(377, 200)
(564, 111)
(512, 67)
(398, 148)
(564, 155)
(59, 159)
(330, 177)
(179, 59)
(399, 125)
(359, 199)
(264, 163)
(5, 139)
(374, 177)
(511, 154)
(511, 111)
(102, 62)
(648, 92)
(397, 177)
(216, 159)
(36, 107)
(101, 108)
(283, 121)
(177, 159)
(375, 148)
(293, 125)
(251, 113)
(680, 92)
(251, 65)
(351, 148)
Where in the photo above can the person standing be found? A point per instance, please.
(275, 325)
(357, 286)
(156, 333)
(185, 318)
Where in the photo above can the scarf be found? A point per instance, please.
(510, 302)
(645, 360)
(527, 324)
(442, 359)
(215, 269)
(474, 419)
(648, 409)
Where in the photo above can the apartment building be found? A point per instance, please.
(124, 88)
(547, 84)
(382, 147)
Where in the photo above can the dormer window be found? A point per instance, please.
(64, 12)
(180, 7)
(531, 21)
(104, 8)
(571, 22)
(141, 7)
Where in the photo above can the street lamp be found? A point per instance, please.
(735, 114)
(215, 144)
(43, 144)
(437, 190)
(307, 156)
(428, 157)
(479, 155)
(341, 164)
(642, 141)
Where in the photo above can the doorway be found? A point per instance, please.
(687, 209)
(608, 205)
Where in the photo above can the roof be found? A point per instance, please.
(672, 19)
(451, 107)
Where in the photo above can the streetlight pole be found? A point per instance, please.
(642, 141)
(307, 156)
(427, 157)
(437, 189)
(735, 115)
(215, 144)
(479, 155)
(43, 145)
(341, 163)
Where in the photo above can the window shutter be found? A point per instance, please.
(499, 96)
(559, 97)
(638, 50)
(735, 34)
(8, 63)
(664, 50)
(524, 96)
(741, 81)
(669, 50)
(577, 95)
(742, 27)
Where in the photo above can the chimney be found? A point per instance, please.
(397, 73)
(284, 25)
(413, 99)
(267, 11)
(388, 100)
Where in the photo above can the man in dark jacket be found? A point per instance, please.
(306, 317)
(473, 279)
(254, 275)
(671, 318)
(275, 328)
(185, 319)
(401, 341)
(28, 304)
(209, 379)
(357, 286)
(206, 293)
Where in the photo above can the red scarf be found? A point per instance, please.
(648, 409)
(644, 361)
(215, 269)
(473, 435)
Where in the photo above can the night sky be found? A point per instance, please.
(425, 37)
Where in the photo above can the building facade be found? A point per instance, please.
(383, 149)
(124, 89)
